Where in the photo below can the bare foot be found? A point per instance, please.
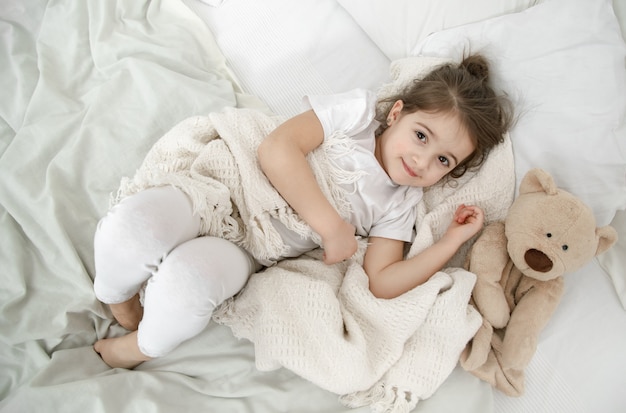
(121, 352)
(128, 313)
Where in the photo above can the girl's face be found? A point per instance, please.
(420, 148)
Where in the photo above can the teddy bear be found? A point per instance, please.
(519, 265)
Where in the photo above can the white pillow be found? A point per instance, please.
(563, 64)
(396, 26)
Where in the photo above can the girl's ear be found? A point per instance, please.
(395, 111)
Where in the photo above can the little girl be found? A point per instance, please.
(436, 129)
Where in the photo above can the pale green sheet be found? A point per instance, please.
(87, 87)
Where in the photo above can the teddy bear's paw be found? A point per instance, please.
(489, 371)
(477, 350)
(472, 360)
(511, 382)
(500, 319)
(517, 351)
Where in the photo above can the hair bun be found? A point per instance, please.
(477, 66)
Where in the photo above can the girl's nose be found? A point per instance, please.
(419, 162)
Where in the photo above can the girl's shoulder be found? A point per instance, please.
(350, 112)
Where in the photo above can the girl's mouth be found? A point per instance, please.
(408, 170)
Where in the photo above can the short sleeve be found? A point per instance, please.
(350, 112)
(398, 223)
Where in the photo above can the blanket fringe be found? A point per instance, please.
(336, 146)
(381, 399)
(225, 311)
(264, 245)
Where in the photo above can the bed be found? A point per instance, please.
(89, 86)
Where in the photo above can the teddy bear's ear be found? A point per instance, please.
(607, 236)
(538, 180)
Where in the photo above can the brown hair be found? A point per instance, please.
(463, 89)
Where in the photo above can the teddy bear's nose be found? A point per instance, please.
(537, 260)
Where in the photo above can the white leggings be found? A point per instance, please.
(153, 236)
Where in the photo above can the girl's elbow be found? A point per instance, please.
(264, 153)
(380, 290)
(379, 294)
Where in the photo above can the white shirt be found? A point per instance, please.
(380, 207)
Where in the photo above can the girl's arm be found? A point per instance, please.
(282, 156)
(390, 275)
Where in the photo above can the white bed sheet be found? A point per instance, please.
(580, 364)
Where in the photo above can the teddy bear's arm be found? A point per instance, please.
(537, 302)
(487, 259)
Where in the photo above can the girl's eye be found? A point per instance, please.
(421, 136)
(444, 161)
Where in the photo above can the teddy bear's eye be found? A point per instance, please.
(565, 247)
(549, 235)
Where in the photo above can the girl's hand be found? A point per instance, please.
(340, 244)
(468, 221)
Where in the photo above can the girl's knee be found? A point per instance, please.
(204, 271)
(191, 281)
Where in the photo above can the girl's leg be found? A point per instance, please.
(132, 240)
(180, 298)
(194, 279)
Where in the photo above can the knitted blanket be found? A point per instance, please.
(321, 321)
(213, 160)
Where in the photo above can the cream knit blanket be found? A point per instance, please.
(321, 321)
(213, 159)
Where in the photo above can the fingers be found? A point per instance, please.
(329, 260)
(462, 213)
(342, 253)
(465, 213)
(340, 244)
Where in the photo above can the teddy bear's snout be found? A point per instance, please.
(537, 260)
